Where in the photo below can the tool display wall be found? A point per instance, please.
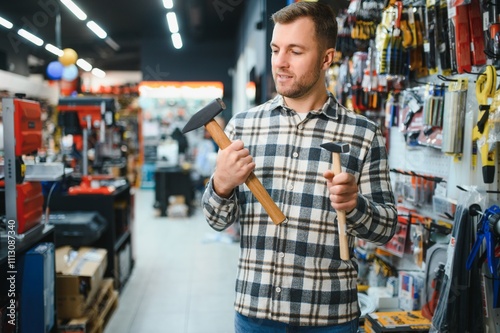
(427, 75)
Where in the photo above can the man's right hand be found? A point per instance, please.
(234, 165)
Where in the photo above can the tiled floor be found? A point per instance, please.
(183, 279)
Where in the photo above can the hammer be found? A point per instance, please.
(205, 117)
(336, 148)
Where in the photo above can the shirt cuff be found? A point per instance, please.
(217, 199)
(358, 215)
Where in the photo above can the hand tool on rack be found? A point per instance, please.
(442, 38)
(485, 89)
(478, 56)
(488, 230)
(205, 117)
(394, 54)
(430, 38)
(336, 148)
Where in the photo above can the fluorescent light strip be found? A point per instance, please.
(54, 49)
(98, 72)
(75, 9)
(83, 64)
(6, 23)
(97, 29)
(29, 36)
(114, 45)
(177, 40)
(172, 22)
(168, 4)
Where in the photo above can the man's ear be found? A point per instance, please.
(328, 58)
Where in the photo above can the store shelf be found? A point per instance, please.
(116, 209)
(24, 241)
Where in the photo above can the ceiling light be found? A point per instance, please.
(83, 64)
(97, 29)
(6, 23)
(29, 36)
(75, 9)
(172, 22)
(169, 4)
(54, 49)
(112, 43)
(177, 40)
(99, 73)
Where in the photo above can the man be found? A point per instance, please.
(291, 277)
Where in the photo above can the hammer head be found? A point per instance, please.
(336, 147)
(203, 116)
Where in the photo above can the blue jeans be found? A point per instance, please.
(243, 324)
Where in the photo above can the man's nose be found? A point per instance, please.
(280, 59)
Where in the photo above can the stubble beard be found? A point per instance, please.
(301, 86)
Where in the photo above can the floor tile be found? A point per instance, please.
(183, 278)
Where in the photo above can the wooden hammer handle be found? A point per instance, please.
(252, 181)
(341, 218)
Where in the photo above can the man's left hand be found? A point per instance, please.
(343, 190)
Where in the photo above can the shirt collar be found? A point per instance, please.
(329, 109)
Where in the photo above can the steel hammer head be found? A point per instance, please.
(336, 147)
(203, 116)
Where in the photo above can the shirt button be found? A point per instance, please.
(290, 187)
(300, 127)
(278, 289)
(295, 154)
(282, 255)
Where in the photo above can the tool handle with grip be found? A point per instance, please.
(341, 216)
(252, 181)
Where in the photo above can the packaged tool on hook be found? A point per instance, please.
(430, 37)
(455, 100)
(442, 39)
(459, 38)
(476, 35)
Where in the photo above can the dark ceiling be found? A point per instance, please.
(127, 22)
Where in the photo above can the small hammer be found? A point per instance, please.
(336, 148)
(205, 117)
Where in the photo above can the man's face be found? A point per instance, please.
(296, 58)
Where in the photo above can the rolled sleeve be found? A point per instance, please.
(372, 222)
(219, 212)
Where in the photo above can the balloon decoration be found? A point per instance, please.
(65, 68)
(55, 70)
(69, 57)
(70, 73)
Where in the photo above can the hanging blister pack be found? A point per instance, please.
(434, 106)
(454, 117)
(430, 37)
(494, 121)
(442, 39)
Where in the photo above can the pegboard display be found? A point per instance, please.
(423, 160)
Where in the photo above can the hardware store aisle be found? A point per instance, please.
(183, 278)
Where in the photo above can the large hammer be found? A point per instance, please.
(206, 117)
(336, 148)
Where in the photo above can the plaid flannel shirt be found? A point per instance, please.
(292, 272)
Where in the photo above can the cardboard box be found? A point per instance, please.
(79, 275)
(400, 321)
(97, 314)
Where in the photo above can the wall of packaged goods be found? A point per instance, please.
(426, 72)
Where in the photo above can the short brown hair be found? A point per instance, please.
(323, 16)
